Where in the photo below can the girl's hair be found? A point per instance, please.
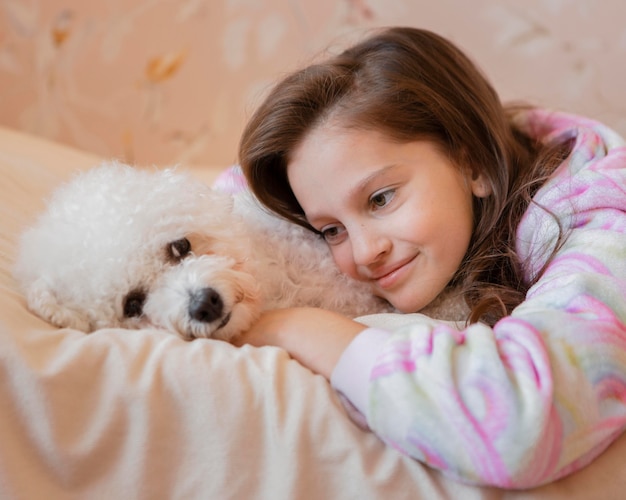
(412, 84)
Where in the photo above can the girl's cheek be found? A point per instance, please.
(343, 259)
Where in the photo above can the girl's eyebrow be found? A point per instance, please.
(362, 185)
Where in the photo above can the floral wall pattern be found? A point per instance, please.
(173, 81)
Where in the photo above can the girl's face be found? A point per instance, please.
(397, 215)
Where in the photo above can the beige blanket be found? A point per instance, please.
(143, 414)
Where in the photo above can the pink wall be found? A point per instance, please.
(170, 81)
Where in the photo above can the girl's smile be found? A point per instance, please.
(398, 215)
(386, 279)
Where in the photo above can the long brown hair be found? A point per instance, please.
(412, 84)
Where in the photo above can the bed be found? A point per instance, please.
(144, 414)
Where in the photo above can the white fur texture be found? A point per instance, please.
(106, 237)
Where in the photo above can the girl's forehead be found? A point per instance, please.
(331, 152)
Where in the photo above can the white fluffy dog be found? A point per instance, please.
(125, 247)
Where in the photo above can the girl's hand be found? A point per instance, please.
(314, 337)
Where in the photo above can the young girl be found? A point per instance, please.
(399, 153)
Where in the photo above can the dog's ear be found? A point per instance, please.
(42, 301)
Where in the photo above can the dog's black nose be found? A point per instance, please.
(205, 305)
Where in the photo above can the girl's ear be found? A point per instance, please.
(480, 187)
(478, 182)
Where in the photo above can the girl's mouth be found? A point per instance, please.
(389, 276)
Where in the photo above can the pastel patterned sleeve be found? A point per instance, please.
(231, 181)
(543, 392)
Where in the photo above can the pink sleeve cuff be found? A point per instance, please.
(352, 374)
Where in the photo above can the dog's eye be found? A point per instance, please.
(133, 303)
(179, 249)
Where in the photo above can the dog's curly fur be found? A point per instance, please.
(120, 246)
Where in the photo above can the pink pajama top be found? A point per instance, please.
(543, 392)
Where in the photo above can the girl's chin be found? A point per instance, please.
(408, 304)
(404, 306)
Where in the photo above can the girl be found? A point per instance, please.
(400, 155)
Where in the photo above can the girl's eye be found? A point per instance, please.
(333, 234)
(382, 199)
(179, 249)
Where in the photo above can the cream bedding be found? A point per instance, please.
(143, 414)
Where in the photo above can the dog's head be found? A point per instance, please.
(125, 247)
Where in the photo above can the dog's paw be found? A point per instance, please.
(42, 301)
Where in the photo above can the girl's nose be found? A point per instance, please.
(368, 246)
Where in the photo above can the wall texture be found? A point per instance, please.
(170, 81)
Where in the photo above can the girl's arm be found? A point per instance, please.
(314, 337)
